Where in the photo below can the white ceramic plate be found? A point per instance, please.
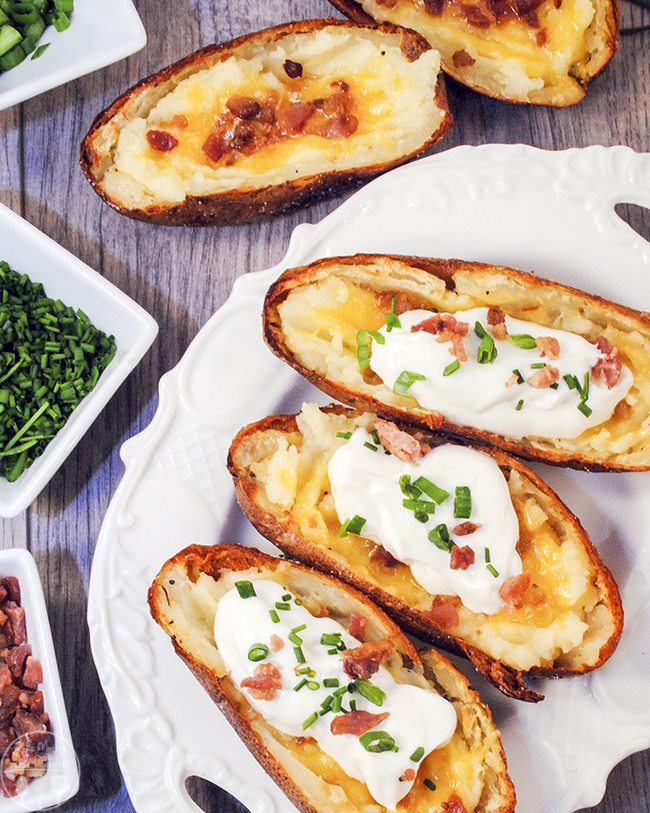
(102, 32)
(61, 782)
(551, 212)
(31, 252)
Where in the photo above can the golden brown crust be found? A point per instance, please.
(607, 34)
(284, 533)
(216, 560)
(246, 206)
(443, 269)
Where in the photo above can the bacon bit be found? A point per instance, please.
(462, 59)
(442, 323)
(320, 612)
(544, 378)
(542, 37)
(243, 107)
(357, 625)
(454, 804)
(16, 659)
(341, 84)
(444, 613)
(17, 621)
(340, 125)
(292, 69)
(264, 683)
(607, 369)
(408, 775)
(495, 316)
(365, 660)
(161, 141)
(242, 136)
(500, 332)
(513, 589)
(401, 444)
(293, 117)
(458, 347)
(276, 643)
(465, 528)
(179, 121)
(412, 45)
(475, 15)
(383, 557)
(214, 147)
(33, 674)
(403, 301)
(461, 558)
(434, 7)
(549, 346)
(356, 722)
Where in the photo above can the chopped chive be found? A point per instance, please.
(331, 683)
(421, 506)
(310, 721)
(429, 784)
(352, 526)
(520, 378)
(345, 435)
(555, 386)
(363, 346)
(405, 381)
(451, 368)
(463, 502)
(330, 638)
(370, 446)
(353, 705)
(304, 669)
(440, 538)
(245, 589)
(571, 381)
(287, 597)
(299, 686)
(520, 404)
(313, 685)
(524, 341)
(300, 655)
(327, 703)
(480, 331)
(421, 516)
(258, 652)
(282, 605)
(437, 494)
(487, 556)
(392, 320)
(332, 652)
(375, 437)
(296, 640)
(538, 365)
(407, 489)
(487, 350)
(585, 387)
(586, 410)
(377, 742)
(492, 569)
(299, 628)
(372, 693)
(417, 755)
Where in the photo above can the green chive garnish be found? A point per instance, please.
(300, 655)
(310, 721)
(586, 410)
(571, 381)
(555, 386)
(451, 368)
(437, 494)
(392, 320)
(296, 640)
(487, 556)
(375, 437)
(487, 350)
(287, 597)
(274, 616)
(440, 538)
(299, 686)
(352, 526)
(258, 652)
(520, 404)
(372, 693)
(377, 742)
(417, 755)
(370, 446)
(463, 502)
(429, 784)
(421, 506)
(313, 685)
(523, 341)
(520, 378)
(363, 346)
(331, 683)
(405, 381)
(345, 435)
(538, 366)
(282, 605)
(245, 589)
(332, 652)
(491, 569)
(407, 489)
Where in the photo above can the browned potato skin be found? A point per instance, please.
(609, 45)
(215, 560)
(284, 534)
(249, 206)
(432, 421)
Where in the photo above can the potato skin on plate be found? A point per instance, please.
(625, 446)
(233, 186)
(171, 605)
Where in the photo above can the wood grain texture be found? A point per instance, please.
(181, 276)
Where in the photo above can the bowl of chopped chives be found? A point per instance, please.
(68, 339)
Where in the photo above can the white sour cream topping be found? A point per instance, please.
(417, 717)
(366, 483)
(476, 395)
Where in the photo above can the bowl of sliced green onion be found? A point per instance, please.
(46, 43)
(68, 339)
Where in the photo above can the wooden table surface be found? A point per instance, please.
(181, 276)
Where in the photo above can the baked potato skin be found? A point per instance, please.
(246, 206)
(508, 680)
(608, 14)
(443, 269)
(213, 561)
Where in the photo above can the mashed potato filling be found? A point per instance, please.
(562, 618)
(392, 101)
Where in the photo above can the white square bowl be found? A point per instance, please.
(31, 252)
(102, 32)
(61, 782)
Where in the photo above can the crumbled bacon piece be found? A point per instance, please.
(408, 775)
(383, 557)
(264, 683)
(340, 125)
(609, 367)
(357, 626)
(542, 37)
(214, 147)
(496, 318)
(292, 117)
(454, 804)
(458, 347)
(549, 346)
(366, 659)
(513, 589)
(465, 528)
(17, 622)
(412, 45)
(276, 643)
(241, 137)
(444, 613)
(401, 444)
(442, 323)
(292, 69)
(543, 378)
(356, 722)
(16, 659)
(244, 107)
(12, 587)
(161, 141)
(462, 59)
(461, 558)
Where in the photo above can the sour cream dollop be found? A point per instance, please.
(366, 483)
(476, 394)
(417, 718)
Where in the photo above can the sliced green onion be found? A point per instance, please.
(345, 435)
(417, 755)
(377, 742)
(332, 651)
(440, 538)
(492, 569)
(299, 686)
(245, 589)
(287, 597)
(463, 502)
(480, 331)
(586, 410)
(313, 685)
(451, 368)
(520, 404)
(585, 387)
(407, 489)
(331, 683)
(300, 655)
(405, 381)
(571, 381)
(555, 386)
(310, 721)
(487, 350)
(258, 652)
(487, 556)
(330, 638)
(40, 50)
(296, 640)
(274, 616)
(363, 346)
(538, 366)
(370, 446)
(352, 526)
(392, 320)
(524, 341)
(304, 669)
(429, 784)
(375, 437)
(421, 506)
(282, 605)
(437, 494)
(372, 693)
(421, 516)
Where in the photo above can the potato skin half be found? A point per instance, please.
(609, 12)
(248, 206)
(509, 681)
(214, 560)
(432, 421)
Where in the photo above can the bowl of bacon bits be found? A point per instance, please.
(39, 768)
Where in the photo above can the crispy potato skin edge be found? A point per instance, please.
(355, 12)
(249, 206)
(196, 559)
(508, 680)
(431, 421)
